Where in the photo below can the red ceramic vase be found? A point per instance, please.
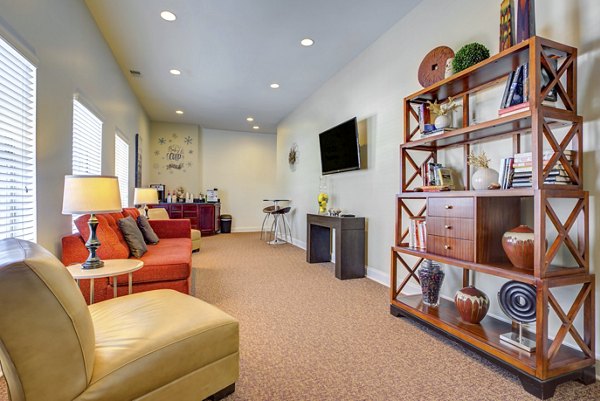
(472, 304)
(518, 246)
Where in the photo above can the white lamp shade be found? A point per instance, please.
(91, 194)
(145, 196)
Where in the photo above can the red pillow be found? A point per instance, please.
(110, 246)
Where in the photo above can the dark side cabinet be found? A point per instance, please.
(202, 216)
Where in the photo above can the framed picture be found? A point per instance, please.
(138, 161)
(506, 34)
(444, 175)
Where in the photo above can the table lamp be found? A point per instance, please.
(145, 197)
(91, 194)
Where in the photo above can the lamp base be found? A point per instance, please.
(92, 244)
(92, 264)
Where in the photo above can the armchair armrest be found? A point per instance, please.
(173, 228)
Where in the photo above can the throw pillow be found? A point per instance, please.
(133, 236)
(147, 231)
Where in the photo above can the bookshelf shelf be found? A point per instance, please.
(464, 228)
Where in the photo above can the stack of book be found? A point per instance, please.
(522, 170)
(417, 233)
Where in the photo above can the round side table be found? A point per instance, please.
(112, 268)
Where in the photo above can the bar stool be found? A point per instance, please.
(268, 211)
(280, 222)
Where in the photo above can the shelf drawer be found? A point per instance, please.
(450, 247)
(176, 208)
(190, 208)
(451, 227)
(190, 214)
(451, 207)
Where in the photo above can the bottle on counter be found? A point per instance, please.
(169, 198)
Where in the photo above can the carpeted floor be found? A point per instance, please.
(305, 335)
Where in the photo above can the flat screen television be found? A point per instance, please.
(339, 148)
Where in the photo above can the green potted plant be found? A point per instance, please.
(469, 55)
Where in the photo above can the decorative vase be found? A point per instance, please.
(483, 178)
(323, 199)
(518, 246)
(442, 121)
(431, 277)
(472, 304)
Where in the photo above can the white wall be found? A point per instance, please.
(242, 166)
(72, 57)
(372, 88)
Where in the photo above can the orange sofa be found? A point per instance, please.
(167, 264)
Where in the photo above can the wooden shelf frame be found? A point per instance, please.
(553, 361)
(552, 357)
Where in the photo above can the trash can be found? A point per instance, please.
(225, 223)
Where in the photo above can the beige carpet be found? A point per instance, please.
(308, 336)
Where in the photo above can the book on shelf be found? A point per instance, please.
(505, 172)
(515, 93)
(521, 169)
(424, 117)
(517, 108)
(437, 131)
(417, 233)
(507, 89)
(433, 188)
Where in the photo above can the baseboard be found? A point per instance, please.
(378, 276)
(245, 229)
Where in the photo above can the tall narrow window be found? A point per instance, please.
(17, 145)
(122, 168)
(87, 143)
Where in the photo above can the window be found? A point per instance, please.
(122, 168)
(17, 145)
(87, 143)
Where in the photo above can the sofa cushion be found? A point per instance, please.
(156, 329)
(111, 246)
(112, 219)
(131, 211)
(133, 236)
(170, 259)
(149, 235)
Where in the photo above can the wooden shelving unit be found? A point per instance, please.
(484, 216)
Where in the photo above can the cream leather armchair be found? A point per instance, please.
(160, 213)
(156, 345)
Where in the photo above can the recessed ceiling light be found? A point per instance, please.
(256, 127)
(175, 72)
(274, 86)
(178, 112)
(249, 119)
(168, 16)
(306, 42)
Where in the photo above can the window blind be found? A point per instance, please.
(17, 145)
(87, 141)
(122, 168)
(87, 144)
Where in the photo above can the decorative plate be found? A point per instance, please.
(293, 155)
(433, 66)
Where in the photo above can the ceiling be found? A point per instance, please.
(230, 51)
